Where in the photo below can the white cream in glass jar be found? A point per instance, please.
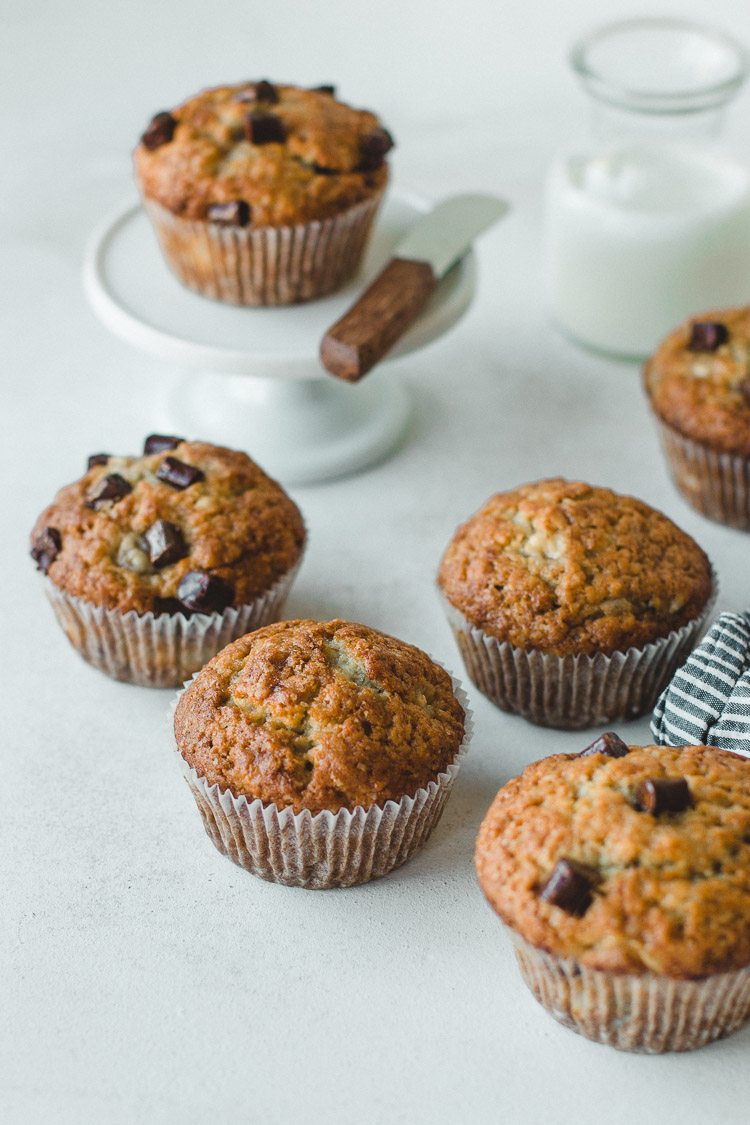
(649, 221)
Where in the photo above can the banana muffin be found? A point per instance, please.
(573, 604)
(698, 384)
(623, 873)
(154, 562)
(320, 753)
(263, 194)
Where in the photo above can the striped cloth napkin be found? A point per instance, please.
(708, 700)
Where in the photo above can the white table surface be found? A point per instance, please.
(144, 977)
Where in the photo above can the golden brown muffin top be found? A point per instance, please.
(698, 380)
(564, 567)
(669, 892)
(191, 527)
(271, 155)
(320, 715)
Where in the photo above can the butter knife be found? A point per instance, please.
(393, 301)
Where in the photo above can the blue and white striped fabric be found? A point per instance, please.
(708, 700)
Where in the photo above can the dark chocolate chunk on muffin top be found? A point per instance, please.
(263, 154)
(189, 528)
(320, 715)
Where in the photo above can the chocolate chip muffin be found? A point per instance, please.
(573, 604)
(623, 873)
(263, 194)
(698, 384)
(320, 753)
(154, 562)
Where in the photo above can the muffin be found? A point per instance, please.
(698, 384)
(320, 754)
(573, 605)
(623, 874)
(154, 563)
(263, 194)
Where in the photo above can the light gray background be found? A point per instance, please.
(144, 977)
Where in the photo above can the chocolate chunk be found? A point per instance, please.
(167, 605)
(164, 543)
(236, 214)
(97, 459)
(178, 474)
(744, 390)
(658, 795)
(609, 744)
(331, 90)
(570, 886)
(372, 149)
(112, 487)
(160, 131)
(201, 592)
(263, 91)
(264, 128)
(157, 443)
(707, 336)
(46, 548)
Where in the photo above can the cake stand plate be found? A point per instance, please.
(252, 378)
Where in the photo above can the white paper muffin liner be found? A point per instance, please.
(264, 265)
(635, 1012)
(325, 849)
(716, 484)
(578, 690)
(159, 651)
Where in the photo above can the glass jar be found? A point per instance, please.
(648, 221)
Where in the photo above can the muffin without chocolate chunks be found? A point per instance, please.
(189, 541)
(262, 193)
(552, 576)
(624, 876)
(320, 715)
(562, 567)
(698, 383)
(333, 720)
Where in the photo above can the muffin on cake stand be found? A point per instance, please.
(252, 378)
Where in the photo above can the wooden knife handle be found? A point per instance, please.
(379, 318)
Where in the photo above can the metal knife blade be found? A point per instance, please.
(446, 233)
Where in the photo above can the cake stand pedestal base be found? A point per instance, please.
(300, 431)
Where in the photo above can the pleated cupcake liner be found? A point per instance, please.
(716, 484)
(635, 1012)
(265, 265)
(326, 849)
(578, 690)
(159, 651)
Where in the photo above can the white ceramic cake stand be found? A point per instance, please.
(253, 379)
